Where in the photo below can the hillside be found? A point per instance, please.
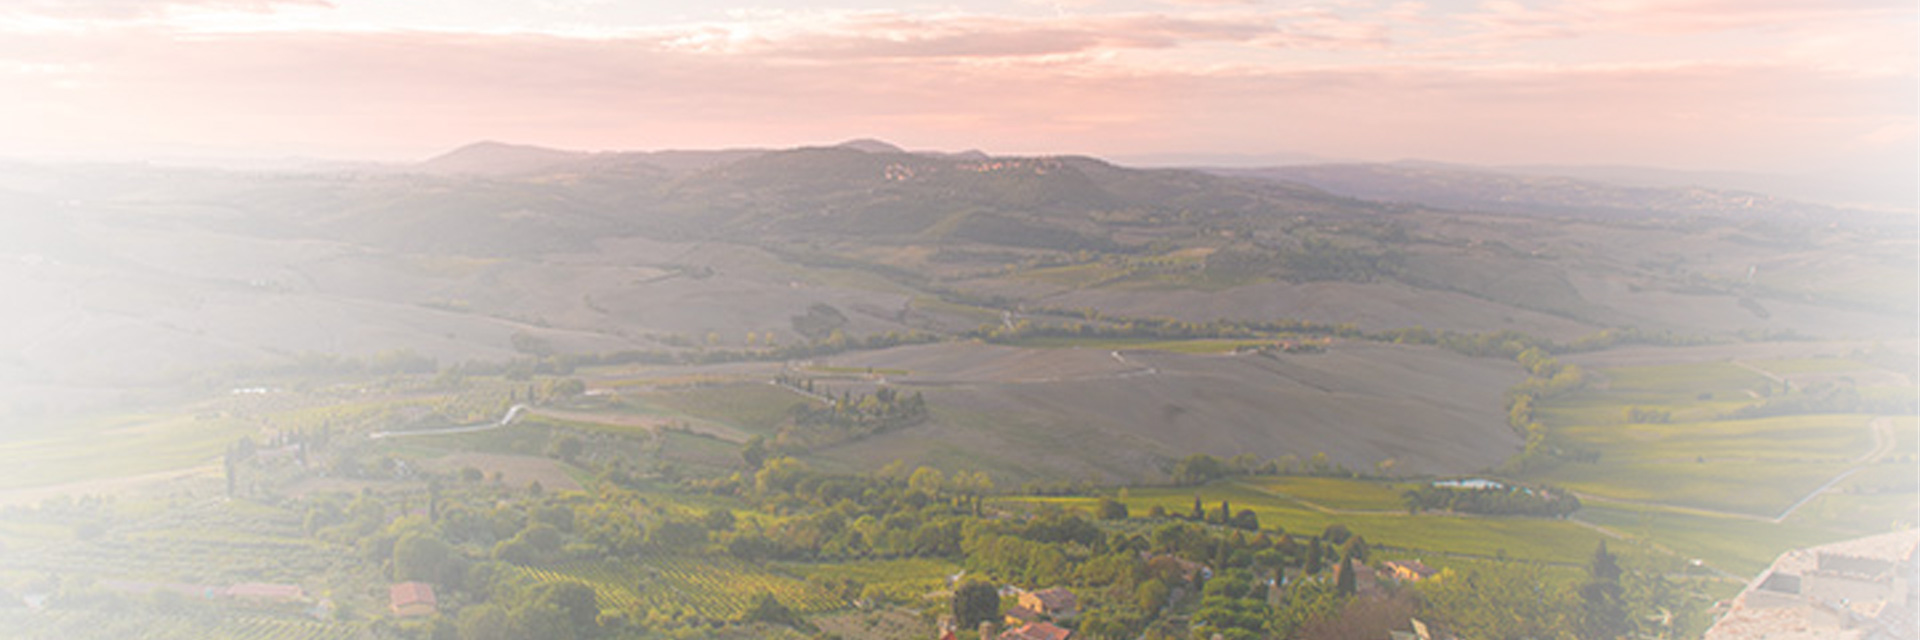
(129, 279)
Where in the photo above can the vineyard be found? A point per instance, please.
(902, 580)
(72, 624)
(216, 542)
(713, 588)
(888, 624)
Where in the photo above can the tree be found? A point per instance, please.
(568, 447)
(1111, 509)
(485, 621)
(1343, 578)
(975, 602)
(676, 534)
(1246, 519)
(1604, 565)
(1199, 468)
(1509, 600)
(1355, 548)
(926, 480)
(718, 519)
(1151, 595)
(755, 452)
(579, 602)
(424, 557)
(1603, 610)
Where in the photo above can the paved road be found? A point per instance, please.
(513, 413)
(1882, 446)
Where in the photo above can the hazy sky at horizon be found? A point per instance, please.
(1771, 85)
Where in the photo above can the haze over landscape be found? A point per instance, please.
(1111, 318)
(1821, 91)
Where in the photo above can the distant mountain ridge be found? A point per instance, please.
(1474, 189)
(1615, 191)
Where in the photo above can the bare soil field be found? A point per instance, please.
(1091, 414)
(1371, 307)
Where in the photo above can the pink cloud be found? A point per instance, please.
(880, 35)
(137, 9)
(410, 94)
(1689, 16)
(1515, 20)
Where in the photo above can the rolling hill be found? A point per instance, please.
(127, 280)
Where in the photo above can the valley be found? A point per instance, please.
(794, 393)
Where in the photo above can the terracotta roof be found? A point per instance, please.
(1036, 631)
(407, 594)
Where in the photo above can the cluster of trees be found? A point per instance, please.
(1224, 515)
(1201, 468)
(1546, 378)
(885, 410)
(1507, 500)
(1147, 328)
(834, 342)
(1824, 398)
(1526, 600)
(1315, 259)
(819, 322)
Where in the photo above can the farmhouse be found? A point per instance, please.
(410, 599)
(1407, 570)
(1057, 603)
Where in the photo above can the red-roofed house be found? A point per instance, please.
(410, 599)
(1037, 631)
(1021, 614)
(1057, 603)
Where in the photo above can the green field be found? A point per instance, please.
(1333, 493)
(1708, 487)
(712, 587)
(127, 446)
(1738, 546)
(1677, 383)
(1539, 539)
(752, 407)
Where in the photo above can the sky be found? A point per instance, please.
(1751, 85)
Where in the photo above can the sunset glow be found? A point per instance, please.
(1777, 85)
